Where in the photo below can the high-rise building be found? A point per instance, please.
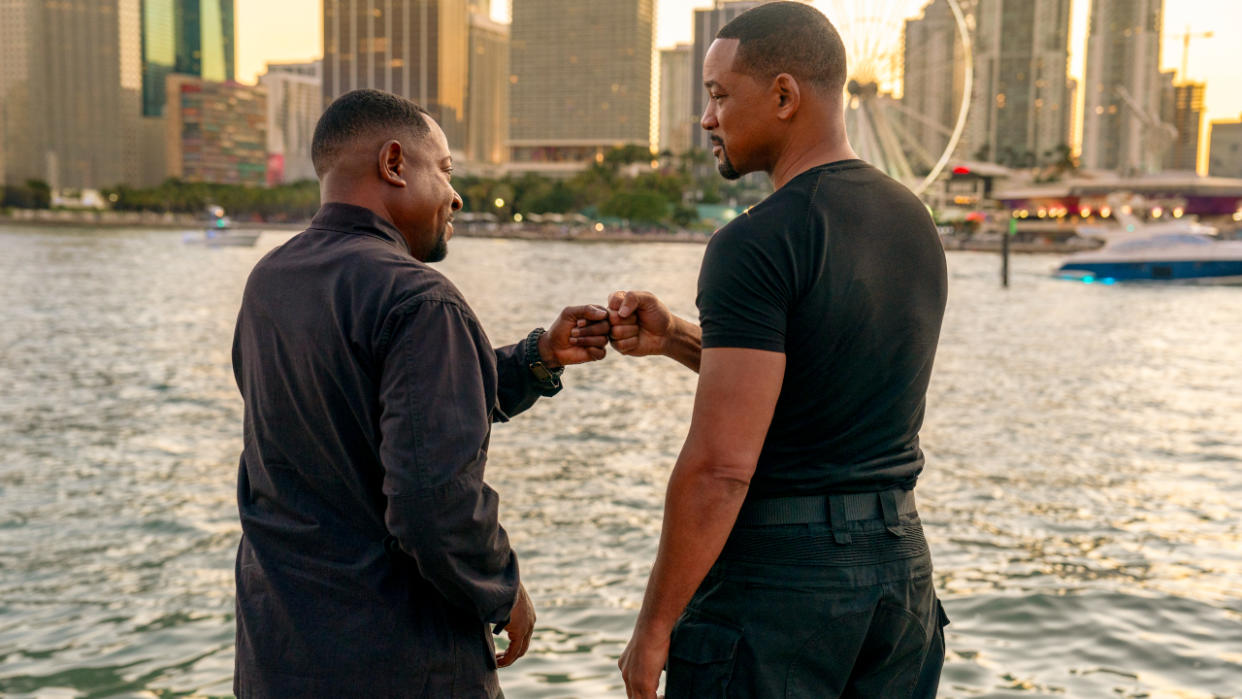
(215, 132)
(1182, 108)
(1121, 104)
(581, 80)
(677, 119)
(1022, 105)
(487, 104)
(71, 91)
(294, 103)
(14, 76)
(706, 23)
(933, 78)
(1225, 151)
(415, 48)
(191, 37)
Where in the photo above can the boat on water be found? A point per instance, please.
(222, 237)
(220, 232)
(1175, 251)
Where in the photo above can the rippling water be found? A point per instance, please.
(1084, 447)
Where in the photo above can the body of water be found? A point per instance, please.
(1081, 496)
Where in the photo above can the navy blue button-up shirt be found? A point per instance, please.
(371, 559)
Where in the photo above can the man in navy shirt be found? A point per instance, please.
(792, 561)
(372, 562)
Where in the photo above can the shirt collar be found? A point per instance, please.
(358, 220)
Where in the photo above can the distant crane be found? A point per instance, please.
(1186, 36)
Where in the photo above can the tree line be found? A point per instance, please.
(627, 183)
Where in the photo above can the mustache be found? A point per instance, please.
(716, 141)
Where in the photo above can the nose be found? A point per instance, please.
(708, 121)
(457, 203)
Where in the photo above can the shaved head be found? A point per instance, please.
(364, 116)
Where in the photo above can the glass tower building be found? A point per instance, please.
(414, 48)
(188, 37)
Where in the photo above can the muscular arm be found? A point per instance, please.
(685, 343)
(736, 397)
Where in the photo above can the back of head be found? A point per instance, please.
(362, 116)
(788, 37)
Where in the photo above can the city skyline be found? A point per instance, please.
(1212, 61)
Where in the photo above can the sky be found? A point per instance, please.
(292, 30)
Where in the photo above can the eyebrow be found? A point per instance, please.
(709, 84)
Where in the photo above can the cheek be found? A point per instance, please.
(728, 115)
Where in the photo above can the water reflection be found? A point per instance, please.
(1084, 453)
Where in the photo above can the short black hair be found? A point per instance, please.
(788, 37)
(363, 112)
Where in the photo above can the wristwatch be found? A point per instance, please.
(546, 377)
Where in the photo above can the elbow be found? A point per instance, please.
(722, 473)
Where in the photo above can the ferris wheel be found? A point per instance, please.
(911, 144)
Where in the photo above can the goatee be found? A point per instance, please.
(440, 251)
(725, 166)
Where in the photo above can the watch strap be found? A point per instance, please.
(546, 377)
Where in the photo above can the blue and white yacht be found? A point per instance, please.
(1177, 250)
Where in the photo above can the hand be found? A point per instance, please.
(641, 665)
(641, 323)
(579, 334)
(521, 626)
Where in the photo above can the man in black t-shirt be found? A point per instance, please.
(792, 562)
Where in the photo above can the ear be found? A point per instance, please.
(788, 95)
(392, 163)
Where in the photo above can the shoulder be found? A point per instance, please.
(417, 284)
(768, 225)
(782, 211)
(382, 281)
(424, 298)
(390, 275)
(864, 184)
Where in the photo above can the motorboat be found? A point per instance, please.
(220, 232)
(1174, 251)
(222, 237)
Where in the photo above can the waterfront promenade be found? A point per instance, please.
(103, 220)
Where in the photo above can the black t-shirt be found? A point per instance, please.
(842, 270)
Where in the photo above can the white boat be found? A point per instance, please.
(1174, 251)
(222, 237)
(220, 233)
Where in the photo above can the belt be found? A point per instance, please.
(833, 509)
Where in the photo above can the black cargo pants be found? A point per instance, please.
(814, 611)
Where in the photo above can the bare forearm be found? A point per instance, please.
(699, 512)
(685, 344)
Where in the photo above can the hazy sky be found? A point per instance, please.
(293, 29)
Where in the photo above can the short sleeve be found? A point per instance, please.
(745, 288)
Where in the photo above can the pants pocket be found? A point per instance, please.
(933, 664)
(700, 660)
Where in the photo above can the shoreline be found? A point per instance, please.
(527, 232)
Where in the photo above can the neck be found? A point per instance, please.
(820, 140)
(333, 191)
